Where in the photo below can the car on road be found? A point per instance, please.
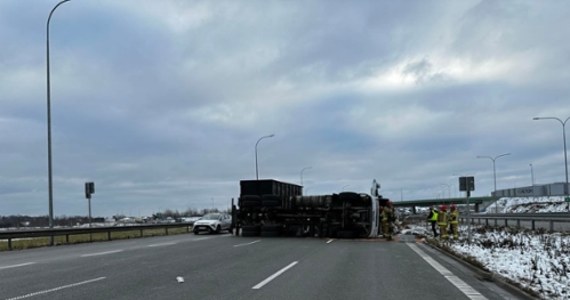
(213, 223)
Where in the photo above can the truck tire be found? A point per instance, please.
(271, 201)
(250, 230)
(249, 201)
(271, 230)
(350, 197)
(345, 234)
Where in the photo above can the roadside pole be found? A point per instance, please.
(89, 189)
(467, 184)
(468, 193)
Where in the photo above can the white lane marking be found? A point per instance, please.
(246, 244)
(466, 289)
(17, 266)
(330, 241)
(268, 279)
(202, 239)
(57, 288)
(102, 253)
(162, 244)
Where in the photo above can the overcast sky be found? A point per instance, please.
(161, 103)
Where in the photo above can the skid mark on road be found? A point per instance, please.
(59, 288)
(17, 266)
(466, 289)
(270, 278)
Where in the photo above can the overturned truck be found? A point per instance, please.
(272, 208)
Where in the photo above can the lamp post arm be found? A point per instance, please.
(257, 143)
(564, 140)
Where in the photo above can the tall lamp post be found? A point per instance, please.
(50, 181)
(564, 139)
(494, 172)
(261, 138)
(303, 170)
(531, 175)
(448, 189)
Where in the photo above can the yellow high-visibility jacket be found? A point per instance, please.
(434, 216)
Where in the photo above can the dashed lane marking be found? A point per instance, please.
(270, 278)
(466, 289)
(247, 244)
(102, 253)
(330, 241)
(17, 266)
(162, 244)
(59, 288)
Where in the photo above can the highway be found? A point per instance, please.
(228, 267)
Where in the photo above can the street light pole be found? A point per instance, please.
(531, 174)
(50, 181)
(303, 170)
(261, 138)
(494, 172)
(564, 139)
(448, 189)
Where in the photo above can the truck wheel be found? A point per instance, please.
(271, 201)
(250, 230)
(345, 234)
(271, 230)
(350, 197)
(249, 201)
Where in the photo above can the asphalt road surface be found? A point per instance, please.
(228, 267)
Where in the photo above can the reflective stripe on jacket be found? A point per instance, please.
(442, 219)
(454, 217)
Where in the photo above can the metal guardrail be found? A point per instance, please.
(531, 220)
(550, 218)
(19, 234)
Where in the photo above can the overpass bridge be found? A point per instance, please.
(477, 201)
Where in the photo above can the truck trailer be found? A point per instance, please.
(272, 208)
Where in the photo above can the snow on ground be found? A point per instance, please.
(529, 205)
(536, 261)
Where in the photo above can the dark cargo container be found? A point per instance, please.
(269, 187)
(272, 208)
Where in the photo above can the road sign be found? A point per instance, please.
(89, 189)
(466, 183)
(567, 199)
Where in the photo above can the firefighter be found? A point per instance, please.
(432, 218)
(454, 221)
(387, 218)
(442, 222)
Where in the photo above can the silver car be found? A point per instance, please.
(213, 223)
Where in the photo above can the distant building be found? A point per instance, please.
(537, 190)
